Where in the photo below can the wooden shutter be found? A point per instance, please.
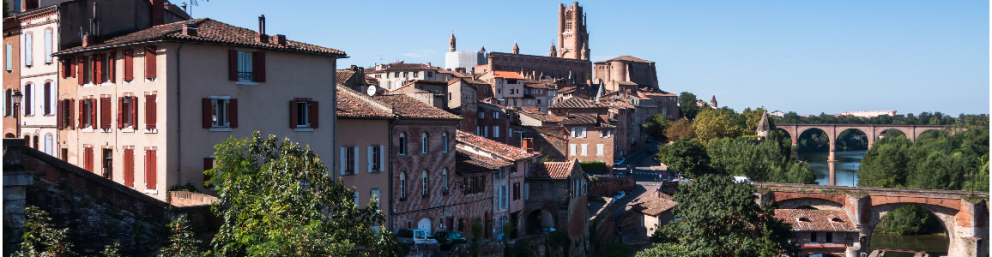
(232, 108)
(313, 115)
(292, 114)
(151, 112)
(112, 71)
(129, 168)
(368, 160)
(88, 159)
(134, 112)
(354, 161)
(70, 104)
(259, 66)
(81, 103)
(207, 108)
(105, 118)
(382, 158)
(344, 159)
(97, 69)
(120, 112)
(232, 65)
(80, 68)
(93, 113)
(48, 97)
(65, 68)
(150, 62)
(60, 116)
(151, 170)
(208, 163)
(128, 64)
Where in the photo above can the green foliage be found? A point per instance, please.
(768, 161)
(687, 105)
(656, 126)
(277, 199)
(714, 211)
(111, 250)
(679, 129)
(507, 229)
(522, 248)
(477, 228)
(662, 155)
(909, 220)
(6, 8)
(712, 124)
(593, 166)
(558, 240)
(182, 241)
(689, 157)
(40, 238)
(188, 187)
(924, 118)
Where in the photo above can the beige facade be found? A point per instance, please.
(196, 105)
(371, 138)
(38, 79)
(11, 74)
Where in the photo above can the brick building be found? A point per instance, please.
(126, 119)
(555, 195)
(572, 35)
(355, 79)
(11, 74)
(494, 121)
(510, 164)
(591, 137)
(463, 99)
(626, 73)
(363, 140)
(539, 94)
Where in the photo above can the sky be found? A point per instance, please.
(810, 57)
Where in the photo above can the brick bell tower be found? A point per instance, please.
(573, 39)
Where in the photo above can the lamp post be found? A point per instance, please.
(17, 110)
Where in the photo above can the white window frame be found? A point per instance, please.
(495, 131)
(246, 65)
(302, 115)
(425, 141)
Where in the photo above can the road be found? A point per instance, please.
(647, 172)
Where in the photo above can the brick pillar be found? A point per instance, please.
(971, 230)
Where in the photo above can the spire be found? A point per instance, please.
(713, 102)
(483, 49)
(763, 124)
(451, 48)
(584, 55)
(554, 53)
(516, 49)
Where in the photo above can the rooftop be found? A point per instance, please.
(408, 107)
(464, 164)
(816, 220)
(576, 102)
(541, 116)
(552, 170)
(507, 74)
(209, 31)
(629, 58)
(353, 104)
(653, 203)
(504, 151)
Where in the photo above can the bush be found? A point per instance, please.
(593, 166)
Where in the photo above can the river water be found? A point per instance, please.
(846, 169)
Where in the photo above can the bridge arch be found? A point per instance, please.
(867, 131)
(920, 131)
(945, 215)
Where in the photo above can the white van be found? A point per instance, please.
(414, 237)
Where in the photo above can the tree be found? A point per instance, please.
(656, 126)
(687, 105)
(689, 157)
(721, 218)
(712, 124)
(679, 129)
(182, 242)
(40, 238)
(277, 199)
(6, 8)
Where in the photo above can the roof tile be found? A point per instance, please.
(552, 170)
(816, 220)
(504, 151)
(408, 107)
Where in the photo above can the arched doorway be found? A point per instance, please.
(424, 224)
(539, 221)
(9, 135)
(915, 227)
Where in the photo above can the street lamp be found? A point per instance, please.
(16, 97)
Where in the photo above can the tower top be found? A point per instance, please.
(554, 51)
(483, 48)
(516, 49)
(451, 47)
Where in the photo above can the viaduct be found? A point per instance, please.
(964, 215)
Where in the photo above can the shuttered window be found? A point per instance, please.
(49, 95)
(127, 111)
(303, 113)
(106, 122)
(151, 172)
(246, 66)
(220, 112)
(9, 58)
(88, 158)
(151, 111)
(82, 76)
(128, 64)
(150, 62)
(129, 168)
(28, 99)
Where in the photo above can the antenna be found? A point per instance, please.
(190, 10)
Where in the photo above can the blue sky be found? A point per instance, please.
(804, 56)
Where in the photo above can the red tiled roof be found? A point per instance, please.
(499, 149)
(344, 75)
(653, 203)
(582, 118)
(507, 74)
(576, 102)
(486, 159)
(352, 104)
(552, 170)
(208, 31)
(629, 58)
(400, 66)
(467, 165)
(816, 220)
(541, 116)
(408, 107)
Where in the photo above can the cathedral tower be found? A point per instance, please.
(572, 35)
(451, 48)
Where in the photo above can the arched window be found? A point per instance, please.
(444, 179)
(402, 143)
(423, 178)
(426, 142)
(444, 142)
(402, 186)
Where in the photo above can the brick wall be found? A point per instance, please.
(608, 186)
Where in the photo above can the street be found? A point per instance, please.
(646, 173)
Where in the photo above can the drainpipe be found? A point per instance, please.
(392, 212)
(179, 114)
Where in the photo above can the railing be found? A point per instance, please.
(246, 76)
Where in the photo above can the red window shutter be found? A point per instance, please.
(128, 64)
(150, 62)
(313, 115)
(292, 114)
(105, 118)
(70, 104)
(151, 166)
(232, 108)
(232, 65)
(80, 68)
(259, 66)
(113, 67)
(208, 163)
(81, 101)
(207, 115)
(134, 112)
(120, 113)
(129, 168)
(65, 68)
(150, 111)
(97, 71)
(88, 159)
(60, 114)
(93, 116)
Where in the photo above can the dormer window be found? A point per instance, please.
(803, 219)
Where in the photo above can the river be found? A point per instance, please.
(846, 169)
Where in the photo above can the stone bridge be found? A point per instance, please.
(964, 214)
(873, 131)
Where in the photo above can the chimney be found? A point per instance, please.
(279, 39)
(354, 67)
(428, 64)
(189, 30)
(261, 37)
(158, 12)
(89, 40)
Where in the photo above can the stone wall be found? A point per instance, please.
(608, 186)
(535, 244)
(425, 250)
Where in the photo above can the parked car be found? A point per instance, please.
(742, 179)
(414, 237)
(447, 239)
(651, 150)
(620, 195)
(618, 163)
(650, 140)
(545, 230)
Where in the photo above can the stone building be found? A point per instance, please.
(463, 100)
(510, 164)
(540, 94)
(363, 140)
(394, 75)
(649, 212)
(128, 122)
(555, 195)
(626, 73)
(505, 86)
(431, 92)
(493, 121)
(573, 70)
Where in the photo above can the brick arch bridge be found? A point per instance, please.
(873, 131)
(965, 218)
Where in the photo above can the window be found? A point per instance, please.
(538, 101)
(88, 158)
(151, 111)
(552, 92)
(402, 187)
(444, 180)
(402, 144)
(526, 191)
(349, 160)
(303, 113)
(48, 144)
(151, 166)
(495, 131)
(245, 67)
(404, 74)
(129, 64)
(106, 68)
(425, 143)
(375, 157)
(830, 237)
(538, 91)
(584, 150)
(599, 149)
(28, 49)
(375, 194)
(150, 62)
(87, 69)
(812, 236)
(108, 165)
(127, 112)
(219, 113)
(416, 74)
(444, 142)
(424, 181)
(516, 191)
(396, 74)
(9, 58)
(571, 149)
(28, 99)
(605, 133)
(502, 197)
(579, 132)
(49, 96)
(87, 113)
